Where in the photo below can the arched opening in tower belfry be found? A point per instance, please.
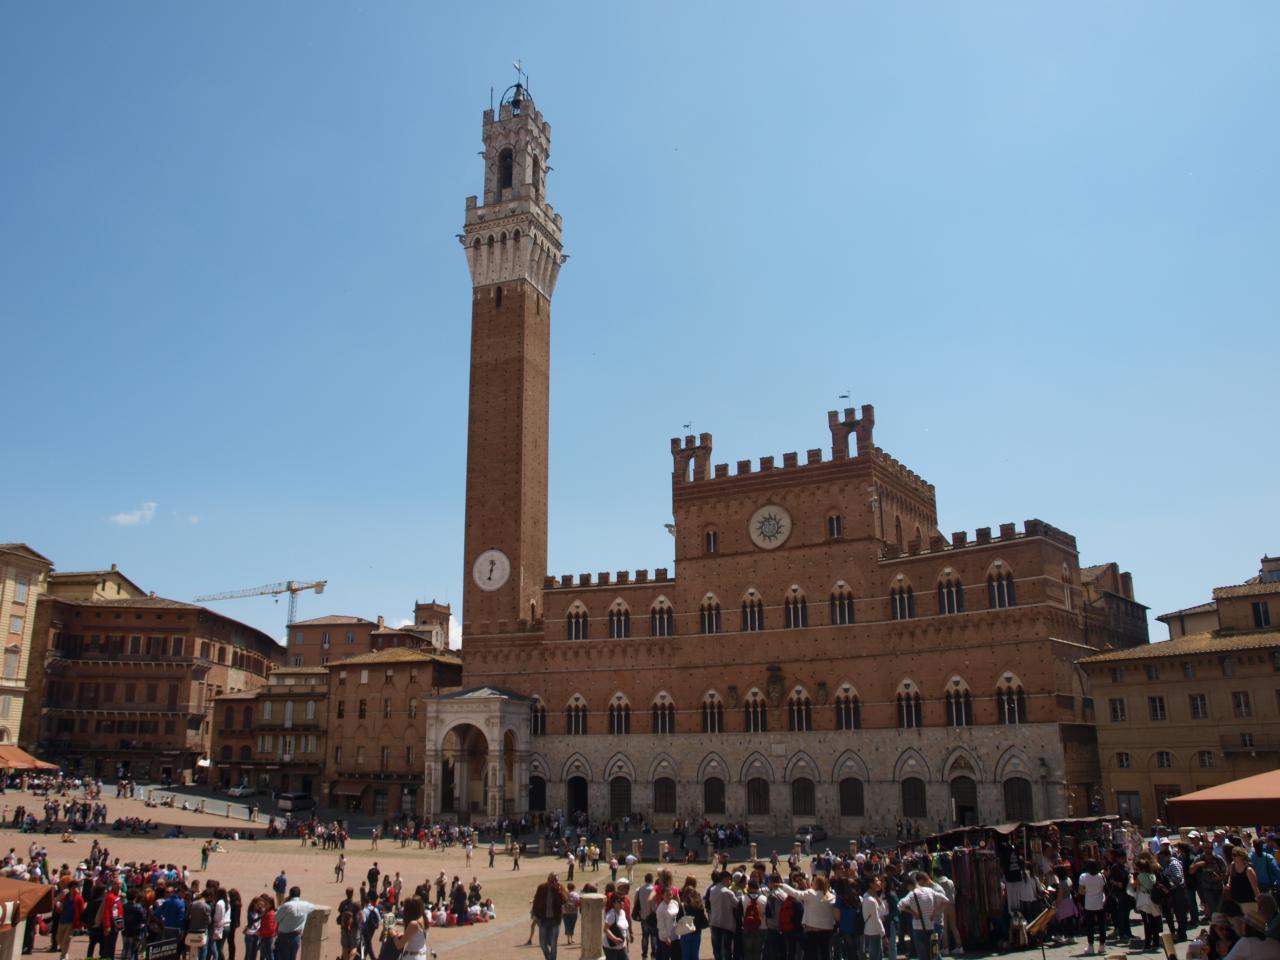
(506, 169)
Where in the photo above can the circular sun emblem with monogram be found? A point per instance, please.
(770, 526)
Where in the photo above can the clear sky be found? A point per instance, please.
(1042, 238)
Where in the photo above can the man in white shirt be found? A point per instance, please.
(291, 917)
(924, 904)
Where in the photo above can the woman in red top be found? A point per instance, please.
(267, 929)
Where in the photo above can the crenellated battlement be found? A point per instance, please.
(622, 578)
(861, 427)
(1007, 533)
(903, 473)
(691, 457)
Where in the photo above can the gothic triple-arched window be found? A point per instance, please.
(1000, 590)
(1011, 703)
(902, 603)
(799, 712)
(755, 713)
(575, 717)
(663, 715)
(537, 719)
(959, 706)
(619, 716)
(712, 711)
(841, 605)
(752, 613)
(709, 615)
(848, 711)
(576, 623)
(662, 620)
(619, 623)
(910, 711)
(950, 595)
(796, 610)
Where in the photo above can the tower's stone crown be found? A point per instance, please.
(515, 234)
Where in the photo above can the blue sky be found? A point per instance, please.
(1040, 237)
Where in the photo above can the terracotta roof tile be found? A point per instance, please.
(1191, 644)
(145, 602)
(23, 548)
(333, 620)
(1246, 589)
(395, 655)
(1198, 608)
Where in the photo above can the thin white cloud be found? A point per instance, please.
(455, 633)
(404, 623)
(133, 518)
(193, 519)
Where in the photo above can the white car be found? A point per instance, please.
(243, 790)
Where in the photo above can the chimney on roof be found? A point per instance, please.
(381, 622)
(114, 568)
(152, 594)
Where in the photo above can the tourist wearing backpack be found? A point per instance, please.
(774, 947)
(1264, 865)
(791, 923)
(819, 920)
(754, 904)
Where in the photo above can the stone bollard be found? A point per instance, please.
(506, 842)
(711, 853)
(853, 848)
(542, 845)
(202, 806)
(755, 854)
(608, 848)
(795, 849)
(314, 934)
(662, 851)
(590, 925)
(228, 813)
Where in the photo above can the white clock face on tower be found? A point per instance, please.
(770, 526)
(491, 570)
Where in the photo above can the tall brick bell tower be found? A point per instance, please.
(513, 247)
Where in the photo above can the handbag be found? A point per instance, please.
(685, 925)
(195, 939)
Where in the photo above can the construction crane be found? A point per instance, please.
(291, 587)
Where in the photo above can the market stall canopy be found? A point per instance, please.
(960, 834)
(19, 900)
(1251, 801)
(15, 758)
(348, 788)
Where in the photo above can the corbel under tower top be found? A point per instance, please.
(515, 234)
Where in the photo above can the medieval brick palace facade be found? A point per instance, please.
(821, 651)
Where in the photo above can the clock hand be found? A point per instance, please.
(492, 564)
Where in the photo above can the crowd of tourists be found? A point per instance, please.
(883, 904)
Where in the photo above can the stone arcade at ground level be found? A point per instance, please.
(479, 764)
